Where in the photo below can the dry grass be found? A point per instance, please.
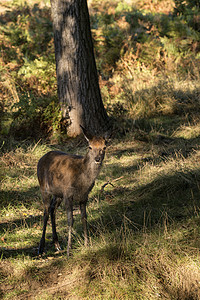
(144, 233)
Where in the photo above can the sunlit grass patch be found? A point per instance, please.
(143, 230)
(128, 263)
(188, 131)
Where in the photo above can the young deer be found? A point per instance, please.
(70, 178)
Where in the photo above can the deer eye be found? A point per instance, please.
(90, 147)
(104, 148)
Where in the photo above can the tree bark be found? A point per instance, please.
(77, 79)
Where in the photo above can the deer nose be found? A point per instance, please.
(98, 159)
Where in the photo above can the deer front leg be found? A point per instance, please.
(84, 222)
(54, 205)
(69, 208)
(42, 241)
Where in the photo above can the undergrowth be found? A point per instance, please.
(147, 55)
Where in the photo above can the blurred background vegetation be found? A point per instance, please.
(147, 54)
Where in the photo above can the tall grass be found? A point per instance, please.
(144, 227)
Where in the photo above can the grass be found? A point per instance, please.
(144, 223)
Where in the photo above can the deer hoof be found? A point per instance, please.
(57, 246)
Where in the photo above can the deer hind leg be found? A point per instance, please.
(47, 202)
(84, 221)
(69, 208)
(54, 205)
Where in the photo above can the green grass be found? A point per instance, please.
(144, 225)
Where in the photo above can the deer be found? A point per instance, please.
(69, 178)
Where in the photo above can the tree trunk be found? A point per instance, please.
(77, 79)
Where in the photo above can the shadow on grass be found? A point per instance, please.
(18, 197)
(26, 251)
(7, 251)
(174, 198)
(171, 198)
(12, 202)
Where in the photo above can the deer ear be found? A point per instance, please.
(107, 135)
(87, 134)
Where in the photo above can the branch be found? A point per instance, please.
(110, 182)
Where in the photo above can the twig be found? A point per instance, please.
(110, 182)
(104, 185)
(36, 145)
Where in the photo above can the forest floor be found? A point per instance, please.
(143, 218)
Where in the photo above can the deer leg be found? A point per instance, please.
(84, 221)
(46, 217)
(69, 208)
(54, 205)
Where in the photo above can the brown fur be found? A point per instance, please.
(70, 178)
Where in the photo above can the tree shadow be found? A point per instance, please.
(28, 221)
(174, 196)
(26, 251)
(10, 226)
(18, 197)
(11, 200)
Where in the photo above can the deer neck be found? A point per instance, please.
(92, 168)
